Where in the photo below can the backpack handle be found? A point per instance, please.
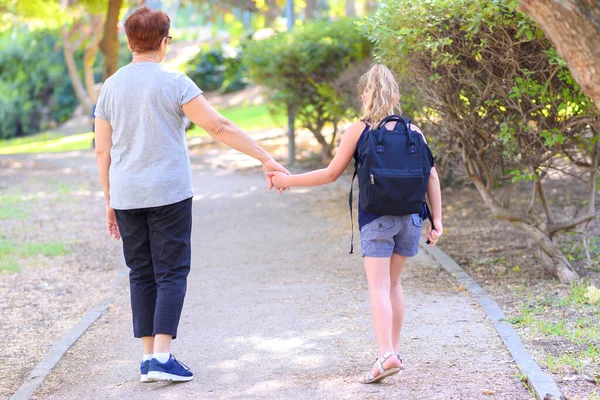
(391, 118)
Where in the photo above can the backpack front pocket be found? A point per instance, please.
(396, 192)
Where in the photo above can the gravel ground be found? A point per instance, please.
(562, 334)
(47, 205)
(276, 308)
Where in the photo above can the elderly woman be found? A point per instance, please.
(146, 177)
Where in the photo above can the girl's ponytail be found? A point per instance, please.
(380, 94)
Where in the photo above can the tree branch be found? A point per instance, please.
(565, 226)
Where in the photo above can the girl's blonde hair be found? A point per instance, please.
(380, 94)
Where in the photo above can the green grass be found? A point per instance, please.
(11, 207)
(565, 359)
(46, 143)
(60, 187)
(568, 317)
(47, 249)
(11, 253)
(249, 118)
(7, 261)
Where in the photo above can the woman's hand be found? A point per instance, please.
(111, 222)
(281, 181)
(433, 235)
(270, 167)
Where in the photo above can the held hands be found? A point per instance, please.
(111, 222)
(272, 168)
(280, 181)
(434, 235)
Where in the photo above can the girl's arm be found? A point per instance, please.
(434, 193)
(336, 166)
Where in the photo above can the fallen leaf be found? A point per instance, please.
(488, 392)
(564, 369)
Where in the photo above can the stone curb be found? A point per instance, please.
(58, 350)
(542, 385)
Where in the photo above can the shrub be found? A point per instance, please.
(503, 103)
(34, 84)
(303, 69)
(219, 68)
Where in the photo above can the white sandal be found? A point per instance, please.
(383, 373)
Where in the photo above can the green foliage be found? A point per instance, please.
(219, 68)
(34, 85)
(491, 76)
(49, 14)
(301, 68)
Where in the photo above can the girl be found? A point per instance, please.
(387, 241)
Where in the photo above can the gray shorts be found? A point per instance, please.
(391, 234)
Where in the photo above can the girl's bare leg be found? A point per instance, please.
(396, 298)
(378, 277)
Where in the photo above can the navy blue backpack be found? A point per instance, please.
(393, 168)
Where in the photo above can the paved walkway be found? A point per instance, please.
(277, 309)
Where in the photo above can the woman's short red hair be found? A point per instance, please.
(145, 28)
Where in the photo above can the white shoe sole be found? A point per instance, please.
(144, 379)
(163, 376)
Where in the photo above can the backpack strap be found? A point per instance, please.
(350, 205)
(356, 165)
(430, 218)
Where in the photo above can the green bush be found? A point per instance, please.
(34, 85)
(302, 69)
(501, 103)
(219, 68)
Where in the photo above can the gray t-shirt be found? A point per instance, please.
(150, 164)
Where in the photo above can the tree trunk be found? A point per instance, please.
(110, 40)
(573, 26)
(350, 8)
(309, 11)
(552, 259)
(90, 56)
(371, 6)
(80, 92)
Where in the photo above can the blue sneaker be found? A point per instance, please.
(172, 370)
(144, 368)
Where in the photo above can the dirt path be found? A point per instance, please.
(276, 308)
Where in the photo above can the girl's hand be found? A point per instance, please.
(271, 166)
(281, 180)
(434, 235)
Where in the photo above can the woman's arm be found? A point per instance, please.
(336, 166)
(103, 132)
(202, 114)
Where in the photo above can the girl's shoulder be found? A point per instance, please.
(357, 128)
(415, 128)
